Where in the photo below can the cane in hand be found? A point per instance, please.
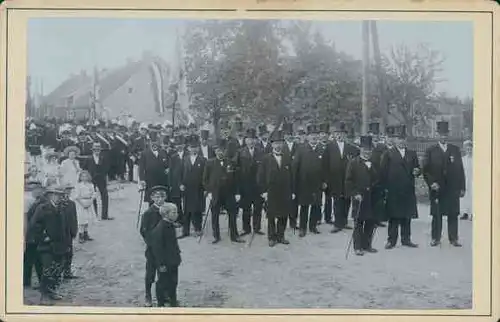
(140, 207)
(352, 235)
(209, 213)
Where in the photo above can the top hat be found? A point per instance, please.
(204, 134)
(263, 129)
(390, 130)
(400, 131)
(221, 144)
(194, 140)
(374, 128)
(366, 142)
(179, 140)
(277, 136)
(324, 127)
(312, 129)
(251, 133)
(442, 127)
(238, 126)
(341, 128)
(287, 128)
(301, 131)
(54, 189)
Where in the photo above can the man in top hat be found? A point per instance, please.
(263, 141)
(290, 148)
(47, 230)
(276, 184)
(248, 161)
(219, 180)
(398, 170)
(361, 177)
(310, 181)
(205, 149)
(176, 165)
(192, 187)
(324, 130)
(338, 154)
(154, 166)
(98, 167)
(444, 174)
(150, 218)
(379, 148)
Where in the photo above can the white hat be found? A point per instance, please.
(32, 126)
(143, 126)
(79, 129)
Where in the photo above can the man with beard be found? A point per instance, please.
(177, 159)
(192, 187)
(361, 177)
(309, 174)
(378, 192)
(338, 155)
(263, 143)
(277, 186)
(444, 174)
(290, 148)
(220, 182)
(248, 161)
(153, 169)
(205, 149)
(399, 168)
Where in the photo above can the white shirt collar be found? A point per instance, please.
(444, 146)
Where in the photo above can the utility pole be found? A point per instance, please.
(380, 77)
(366, 64)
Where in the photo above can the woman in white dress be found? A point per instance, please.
(466, 201)
(50, 171)
(70, 167)
(83, 195)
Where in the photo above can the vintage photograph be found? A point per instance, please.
(255, 164)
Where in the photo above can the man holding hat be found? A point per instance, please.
(338, 154)
(444, 174)
(399, 168)
(150, 218)
(361, 177)
(276, 184)
(98, 168)
(309, 178)
(219, 180)
(47, 228)
(248, 161)
(154, 166)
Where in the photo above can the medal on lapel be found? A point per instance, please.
(452, 158)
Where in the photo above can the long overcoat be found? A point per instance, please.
(152, 170)
(192, 179)
(446, 169)
(175, 174)
(247, 173)
(277, 182)
(309, 174)
(396, 174)
(219, 178)
(335, 168)
(360, 179)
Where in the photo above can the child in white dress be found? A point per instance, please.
(83, 195)
(466, 201)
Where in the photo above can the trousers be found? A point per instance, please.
(437, 227)
(276, 228)
(31, 259)
(363, 234)
(166, 286)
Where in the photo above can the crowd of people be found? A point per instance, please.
(297, 176)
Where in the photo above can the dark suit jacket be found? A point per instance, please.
(309, 174)
(152, 168)
(164, 245)
(150, 218)
(220, 178)
(247, 170)
(336, 165)
(361, 180)
(99, 172)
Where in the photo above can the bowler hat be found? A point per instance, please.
(251, 133)
(312, 129)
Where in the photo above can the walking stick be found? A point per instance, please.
(140, 207)
(352, 235)
(209, 212)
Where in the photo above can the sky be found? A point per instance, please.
(58, 47)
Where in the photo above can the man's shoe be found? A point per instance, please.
(272, 243)
(389, 245)
(455, 243)
(244, 233)
(302, 233)
(283, 241)
(410, 244)
(258, 232)
(216, 240)
(435, 243)
(359, 252)
(335, 230)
